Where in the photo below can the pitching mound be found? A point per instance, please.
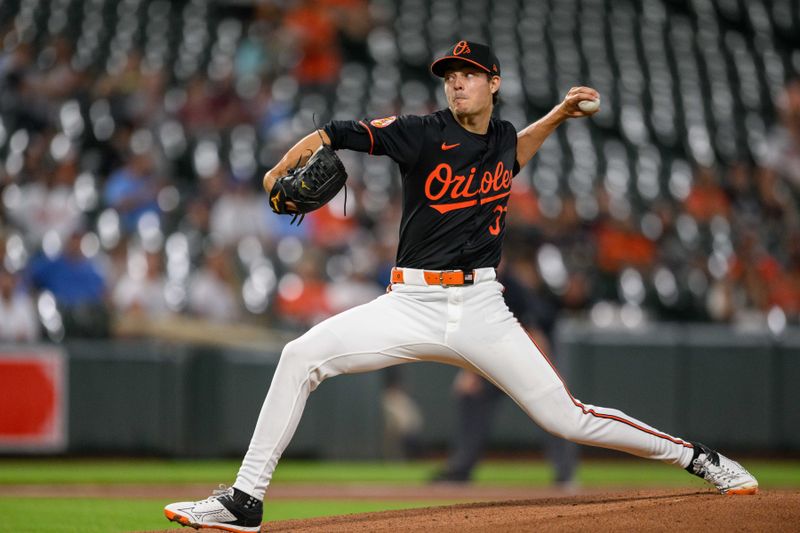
(651, 510)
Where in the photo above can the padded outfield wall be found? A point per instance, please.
(714, 384)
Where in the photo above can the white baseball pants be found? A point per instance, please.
(469, 327)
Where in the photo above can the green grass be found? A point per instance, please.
(94, 515)
(528, 473)
(114, 471)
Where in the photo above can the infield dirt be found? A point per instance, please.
(633, 510)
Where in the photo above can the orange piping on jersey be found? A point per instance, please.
(444, 208)
(605, 415)
(371, 139)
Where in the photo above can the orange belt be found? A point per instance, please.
(445, 278)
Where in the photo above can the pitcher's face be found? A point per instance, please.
(468, 89)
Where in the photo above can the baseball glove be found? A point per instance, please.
(309, 187)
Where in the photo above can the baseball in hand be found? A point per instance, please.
(589, 106)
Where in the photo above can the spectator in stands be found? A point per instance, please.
(784, 154)
(196, 225)
(135, 93)
(524, 212)
(302, 297)
(313, 35)
(213, 293)
(227, 106)
(753, 269)
(355, 289)
(77, 286)
(18, 320)
(35, 161)
(58, 80)
(402, 418)
(721, 300)
(330, 227)
(119, 84)
(742, 197)
(706, 198)
(141, 291)
(671, 251)
(253, 59)
(778, 208)
(19, 96)
(620, 244)
(354, 21)
(237, 213)
(114, 262)
(47, 202)
(133, 190)
(792, 248)
(10, 52)
(197, 113)
(212, 106)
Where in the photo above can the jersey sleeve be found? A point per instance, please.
(400, 137)
(349, 134)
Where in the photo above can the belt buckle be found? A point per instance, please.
(441, 278)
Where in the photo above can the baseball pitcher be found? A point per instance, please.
(444, 302)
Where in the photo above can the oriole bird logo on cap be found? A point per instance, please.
(462, 47)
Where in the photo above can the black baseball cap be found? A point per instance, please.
(478, 54)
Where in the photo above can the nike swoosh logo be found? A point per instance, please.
(446, 146)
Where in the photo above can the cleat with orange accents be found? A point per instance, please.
(228, 509)
(728, 476)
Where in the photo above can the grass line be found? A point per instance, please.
(524, 473)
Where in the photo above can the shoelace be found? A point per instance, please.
(220, 492)
(708, 469)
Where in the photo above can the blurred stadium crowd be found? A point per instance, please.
(134, 134)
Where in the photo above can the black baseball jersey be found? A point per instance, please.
(456, 184)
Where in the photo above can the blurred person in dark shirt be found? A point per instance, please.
(77, 286)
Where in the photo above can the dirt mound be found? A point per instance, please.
(650, 510)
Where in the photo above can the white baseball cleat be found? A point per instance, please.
(227, 509)
(728, 476)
